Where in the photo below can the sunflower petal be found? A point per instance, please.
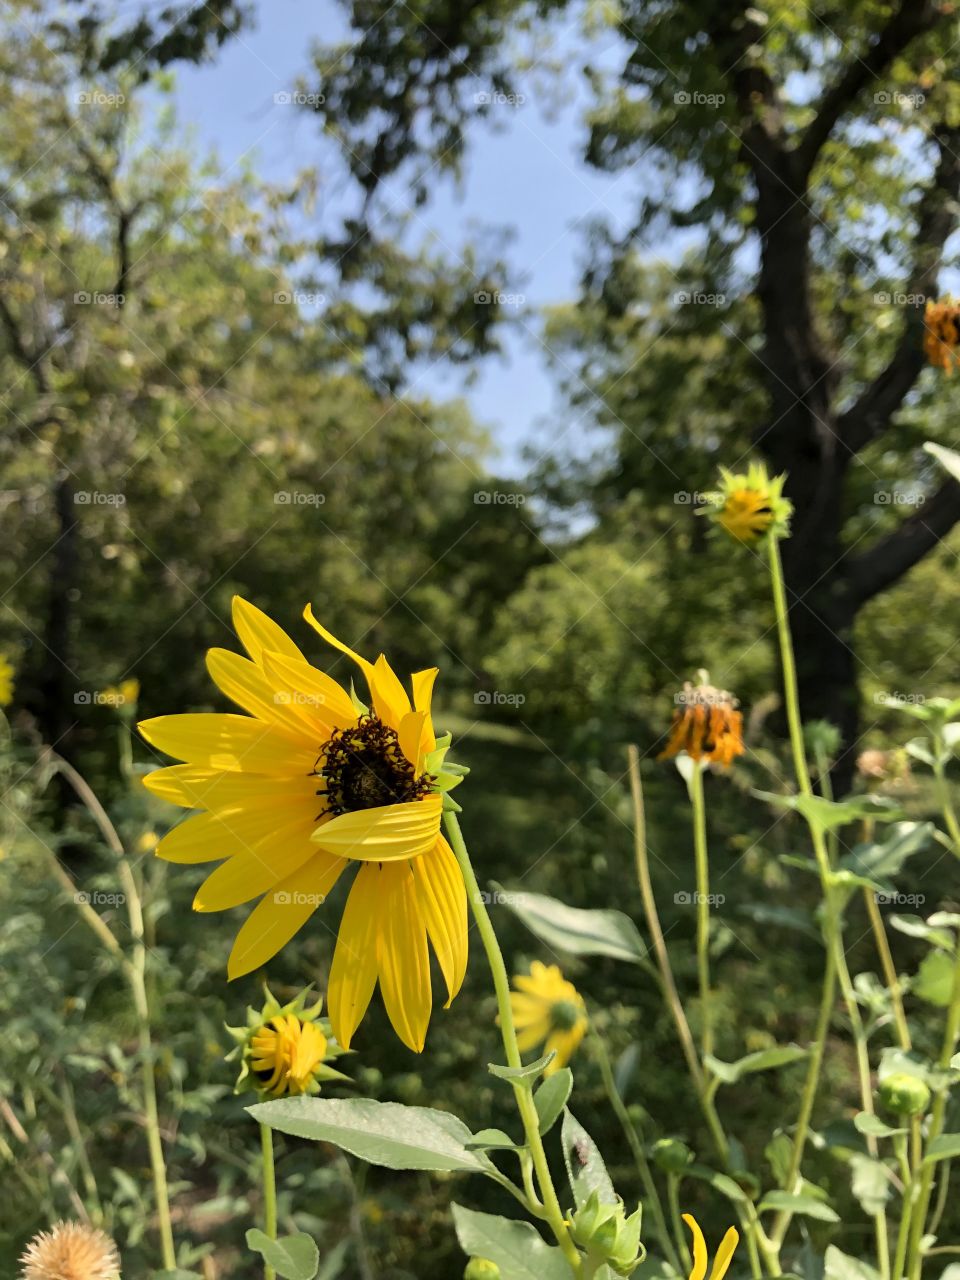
(442, 896)
(317, 695)
(282, 913)
(365, 666)
(210, 837)
(245, 683)
(228, 742)
(353, 974)
(725, 1253)
(254, 870)
(387, 833)
(699, 1248)
(410, 737)
(257, 632)
(196, 787)
(403, 958)
(390, 700)
(422, 682)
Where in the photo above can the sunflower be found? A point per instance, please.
(310, 782)
(71, 1251)
(941, 334)
(548, 1010)
(706, 725)
(724, 1255)
(749, 504)
(284, 1048)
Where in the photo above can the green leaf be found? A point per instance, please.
(826, 815)
(869, 1183)
(874, 1127)
(720, 1182)
(805, 1206)
(883, 859)
(516, 1247)
(552, 1097)
(522, 1073)
(949, 459)
(333, 1260)
(492, 1140)
(840, 1266)
(762, 1060)
(382, 1133)
(935, 979)
(915, 927)
(576, 930)
(944, 1147)
(293, 1257)
(585, 1167)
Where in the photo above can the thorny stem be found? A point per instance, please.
(528, 1113)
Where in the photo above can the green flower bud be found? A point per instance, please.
(481, 1269)
(607, 1234)
(904, 1095)
(671, 1155)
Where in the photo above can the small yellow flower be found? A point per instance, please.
(147, 842)
(71, 1251)
(750, 504)
(721, 1262)
(285, 1048)
(122, 695)
(706, 725)
(941, 334)
(548, 1010)
(6, 681)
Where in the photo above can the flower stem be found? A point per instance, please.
(635, 1145)
(524, 1099)
(269, 1193)
(673, 1195)
(703, 907)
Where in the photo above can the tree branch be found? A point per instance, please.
(871, 413)
(911, 19)
(896, 553)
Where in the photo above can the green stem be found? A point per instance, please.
(635, 1145)
(524, 1098)
(703, 906)
(269, 1193)
(903, 1233)
(673, 1196)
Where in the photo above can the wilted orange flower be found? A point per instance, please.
(706, 725)
(71, 1251)
(941, 335)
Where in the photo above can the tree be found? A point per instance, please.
(817, 157)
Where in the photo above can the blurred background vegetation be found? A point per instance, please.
(210, 386)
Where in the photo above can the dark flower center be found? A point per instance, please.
(364, 767)
(564, 1015)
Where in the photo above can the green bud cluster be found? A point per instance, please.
(606, 1233)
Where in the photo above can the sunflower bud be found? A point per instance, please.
(607, 1234)
(671, 1155)
(284, 1048)
(904, 1095)
(481, 1269)
(750, 504)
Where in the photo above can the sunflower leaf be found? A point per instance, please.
(944, 1147)
(382, 1133)
(805, 1206)
(577, 930)
(521, 1075)
(762, 1060)
(827, 815)
(293, 1257)
(516, 1247)
(552, 1096)
(585, 1167)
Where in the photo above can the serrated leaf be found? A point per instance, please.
(516, 1247)
(804, 1206)
(577, 930)
(585, 1167)
(382, 1133)
(293, 1257)
(552, 1096)
(522, 1073)
(762, 1060)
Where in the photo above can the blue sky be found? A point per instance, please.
(525, 173)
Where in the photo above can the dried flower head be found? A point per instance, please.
(941, 334)
(71, 1251)
(706, 725)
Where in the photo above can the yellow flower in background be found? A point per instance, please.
(124, 694)
(749, 504)
(548, 1010)
(724, 1255)
(6, 681)
(71, 1251)
(706, 725)
(308, 783)
(941, 334)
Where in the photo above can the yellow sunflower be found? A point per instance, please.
(724, 1255)
(706, 725)
(749, 504)
(308, 783)
(548, 1010)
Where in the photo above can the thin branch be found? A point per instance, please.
(890, 558)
